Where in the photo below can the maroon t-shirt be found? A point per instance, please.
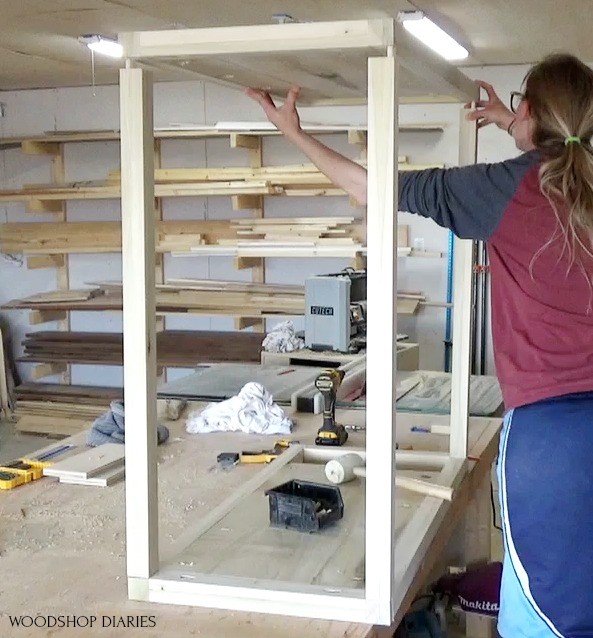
(542, 299)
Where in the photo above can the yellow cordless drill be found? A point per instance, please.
(330, 433)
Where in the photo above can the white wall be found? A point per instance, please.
(33, 112)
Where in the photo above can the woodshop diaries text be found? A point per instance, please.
(137, 622)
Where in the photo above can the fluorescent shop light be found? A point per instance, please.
(416, 23)
(102, 45)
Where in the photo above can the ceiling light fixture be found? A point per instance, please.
(416, 23)
(282, 18)
(102, 45)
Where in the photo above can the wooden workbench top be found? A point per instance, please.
(64, 545)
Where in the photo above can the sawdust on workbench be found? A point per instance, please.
(64, 548)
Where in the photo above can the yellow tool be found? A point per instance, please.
(19, 472)
(9, 480)
(261, 456)
(330, 433)
(265, 456)
(26, 470)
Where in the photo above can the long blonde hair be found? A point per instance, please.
(559, 92)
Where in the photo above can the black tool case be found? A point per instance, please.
(304, 506)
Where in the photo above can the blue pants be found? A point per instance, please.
(545, 473)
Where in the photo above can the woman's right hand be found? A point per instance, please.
(285, 118)
(492, 110)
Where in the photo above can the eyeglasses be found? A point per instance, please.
(516, 99)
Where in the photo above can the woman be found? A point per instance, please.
(536, 213)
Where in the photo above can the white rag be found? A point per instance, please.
(282, 338)
(252, 411)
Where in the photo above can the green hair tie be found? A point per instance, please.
(572, 140)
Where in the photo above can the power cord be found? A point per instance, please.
(496, 526)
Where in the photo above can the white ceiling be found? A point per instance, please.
(39, 47)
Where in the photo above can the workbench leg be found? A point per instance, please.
(478, 549)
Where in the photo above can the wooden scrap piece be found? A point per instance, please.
(50, 426)
(103, 479)
(63, 295)
(45, 316)
(88, 463)
(48, 369)
(45, 261)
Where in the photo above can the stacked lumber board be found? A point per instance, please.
(67, 409)
(181, 302)
(96, 190)
(287, 177)
(287, 180)
(284, 235)
(191, 296)
(64, 410)
(186, 296)
(175, 348)
(42, 238)
(100, 466)
(95, 396)
(60, 410)
(334, 235)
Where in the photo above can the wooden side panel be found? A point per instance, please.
(138, 222)
(462, 311)
(381, 346)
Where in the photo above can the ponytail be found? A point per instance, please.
(567, 181)
(559, 91)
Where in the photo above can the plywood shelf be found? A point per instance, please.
(48, 143)
(328, 60)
